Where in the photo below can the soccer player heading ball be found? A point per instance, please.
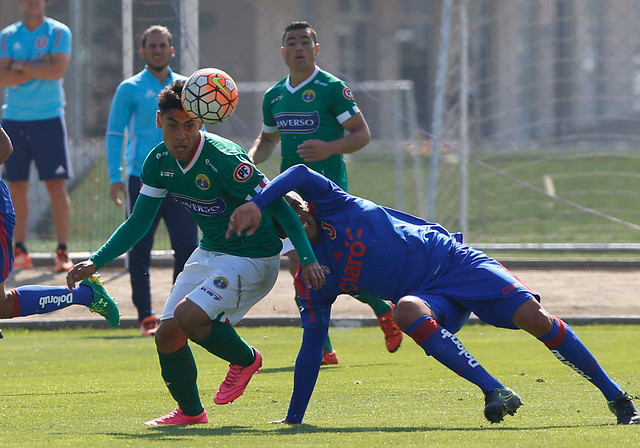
(434, 280)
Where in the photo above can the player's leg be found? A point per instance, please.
(51, 157)
(138, 263)
(16, 173)
(418, 320)
(384, 312)
(231, 286)
(35, 299)
(565, 345)
(179, 372)
(329, 355)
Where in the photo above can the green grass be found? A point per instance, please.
(96, 387)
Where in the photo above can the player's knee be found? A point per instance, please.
(408, 309)
(6, 304)
(168, 338)
(533, 318)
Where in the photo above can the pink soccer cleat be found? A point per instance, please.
(237, 379)
(177, 417)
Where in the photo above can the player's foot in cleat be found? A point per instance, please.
(21, 259)
(392, 334)
(177, 417)
(329, 357)
(624, 409)
(237, 379)
(149, 325)
(102, 304)
(500, 402)
(62, 261)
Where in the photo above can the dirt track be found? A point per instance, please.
(566, 293)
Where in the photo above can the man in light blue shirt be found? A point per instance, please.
(134, 109)
(34, 55)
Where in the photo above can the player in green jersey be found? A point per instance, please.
(308, 112)
(210, 176)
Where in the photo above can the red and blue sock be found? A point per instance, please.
(449, 351)
(567, 347)
(37, 299)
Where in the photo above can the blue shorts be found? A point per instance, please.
(475, 283)
(41, 141)
(7, 224)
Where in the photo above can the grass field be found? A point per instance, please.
(96, 387)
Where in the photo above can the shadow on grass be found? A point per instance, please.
(174, 432)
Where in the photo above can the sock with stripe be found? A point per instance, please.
(449, 351)
(37, 299)
(569, 350)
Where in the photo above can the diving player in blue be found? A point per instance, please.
(434, 280)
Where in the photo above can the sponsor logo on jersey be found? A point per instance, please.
(308, 96)
(276, 99)
(243, 172)
(355, 251)
(210, 207)
(167, 173)
(211, 292)
(202, 182)
(297, 122)
(208, 162)
(220, 282)
(320, 83)
(347, 93)
(56, 300)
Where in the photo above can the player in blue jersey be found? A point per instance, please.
(35, 299)
(434, 280)
(134, 109)
(34, 55)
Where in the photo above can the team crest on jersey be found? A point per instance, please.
(203, 182)
(220, 282)
(243, 172)
(347, 93)
(308, 96)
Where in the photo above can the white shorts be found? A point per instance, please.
(224, 286)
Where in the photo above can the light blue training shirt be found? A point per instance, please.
(134, 108)
(38, 99)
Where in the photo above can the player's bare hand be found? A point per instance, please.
(79, 272)
(115, 190)
(312, 275)
(314, 150)
(246, 217)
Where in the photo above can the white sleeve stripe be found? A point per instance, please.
(153, 192)
(269, 129)
(344, 116)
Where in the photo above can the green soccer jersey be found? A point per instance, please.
(218, 178)
(314, 109)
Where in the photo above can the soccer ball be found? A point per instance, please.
(210, 95)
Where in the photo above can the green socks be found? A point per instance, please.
(225, 343)
(179, 372)
(378, 306)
